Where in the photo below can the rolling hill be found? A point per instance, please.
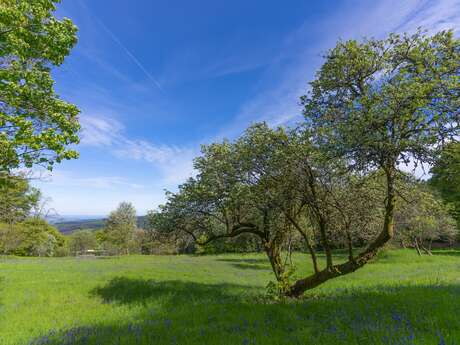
(92, 224)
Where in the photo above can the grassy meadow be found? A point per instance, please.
(399, 299)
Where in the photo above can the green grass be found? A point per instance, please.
(399, 299)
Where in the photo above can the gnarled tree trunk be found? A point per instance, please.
(274, 256)
(387, 233)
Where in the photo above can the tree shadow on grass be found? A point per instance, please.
(247, 261)
(248, 264)
(244, 266)
(124, 290)
(178, 312)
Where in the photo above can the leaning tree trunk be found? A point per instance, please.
(387, 233)
(425, 249)
(417, 247)
(274, 256)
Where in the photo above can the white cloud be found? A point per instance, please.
(433, 16)
(99, 130)
(419, 170)
(79, 193)
(174, 163)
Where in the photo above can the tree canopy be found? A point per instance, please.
(36, 126)
(17, 199)
(31, 237)
(120, 226)
(378, 104)
(374, 105)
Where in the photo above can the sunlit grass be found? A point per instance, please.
(399, 299)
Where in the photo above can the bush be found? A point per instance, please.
(32, 237)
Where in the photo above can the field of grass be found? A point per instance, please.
(399, 299)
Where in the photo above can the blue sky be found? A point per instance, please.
(156, 79)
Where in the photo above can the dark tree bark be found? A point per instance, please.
(274, 256)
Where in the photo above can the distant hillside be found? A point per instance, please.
(92, 224)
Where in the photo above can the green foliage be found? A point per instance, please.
(100, 235)
(446, 177)
(144, 300)
(245, 243)
(240, 195)
(423, 218)
(31, 237)
(274, 187)
(36, 126)
(381, 103)
(120, 228)
(17, 198)
(374, 105)
(276, 290)
(82, 240)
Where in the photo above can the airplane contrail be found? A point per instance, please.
(131, 55)
(123, 47)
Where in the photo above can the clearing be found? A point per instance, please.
(399, 299)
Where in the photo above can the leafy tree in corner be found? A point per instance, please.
(446, 177)
(378, 104)
(36, 126)
(120, 226)
(17, 199)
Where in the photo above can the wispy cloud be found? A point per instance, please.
(107, 89)
(69, 179)
(100, 131)
(174, 163)
(278, 102)
(433, 16)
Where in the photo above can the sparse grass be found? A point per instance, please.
(399, 299)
